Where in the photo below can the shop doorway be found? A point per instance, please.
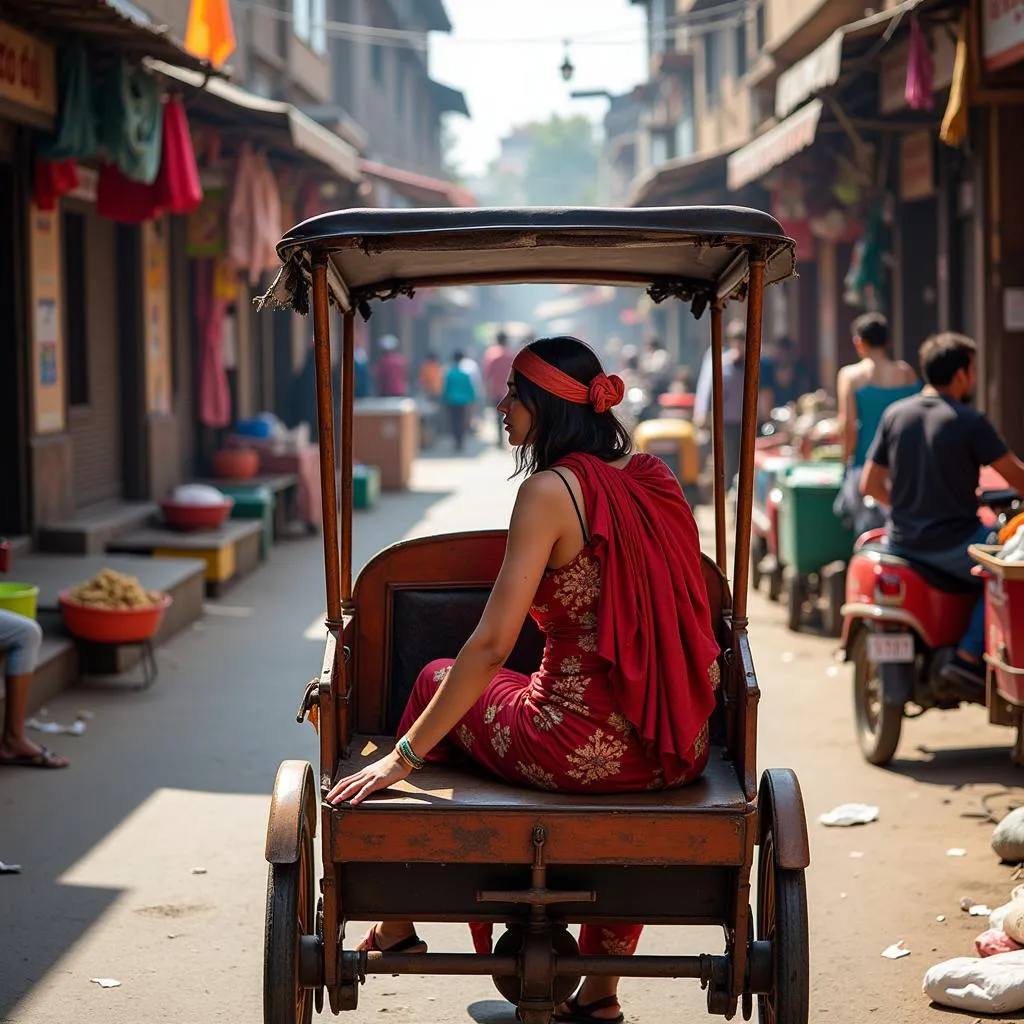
(91, 326)
(14, 377)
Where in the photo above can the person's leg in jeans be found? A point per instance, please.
(733, 438)
(958, 563)
(458, 416)
(500, 420)
(20, 640)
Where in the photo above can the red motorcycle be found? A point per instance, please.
(902, 622)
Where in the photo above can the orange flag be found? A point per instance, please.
(210, 34)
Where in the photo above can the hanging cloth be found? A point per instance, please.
(920, 87)
(210, 310)
(210, 34)
(131, 121)
(955, 120)
(53, 179)
(254, 217)
(653, 621)
(76, 137)
(121, 199)
(177, 184)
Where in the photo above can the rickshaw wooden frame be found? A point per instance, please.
(707, 256)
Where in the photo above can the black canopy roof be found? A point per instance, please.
(696, 253)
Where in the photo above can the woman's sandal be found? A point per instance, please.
(583, 1013)
(43, 758)
(410, 944)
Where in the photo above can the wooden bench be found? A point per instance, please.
(229, 552)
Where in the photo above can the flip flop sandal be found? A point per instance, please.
(44, 759)
(583, 1013)
(410, 944)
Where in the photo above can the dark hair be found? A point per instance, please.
(457, 356)
(872, 329)
(943, 355)
(561, 427)
(501, 338)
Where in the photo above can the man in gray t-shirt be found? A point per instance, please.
(924, 463)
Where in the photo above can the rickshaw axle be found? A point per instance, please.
(703, 966)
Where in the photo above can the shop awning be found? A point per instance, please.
(822, 67)
(774, 147)
(419, 188)
(117, 24)
(674, 182)
(448, 99)
(238, 110)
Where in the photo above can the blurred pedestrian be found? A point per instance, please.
(497, 364)
(459, 395)
(656, 366)
(20, 640)
(431, 379)
(391, 370)
(789, 376)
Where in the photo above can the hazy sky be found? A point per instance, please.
(505, 58)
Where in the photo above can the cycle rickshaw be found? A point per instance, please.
(460, 847)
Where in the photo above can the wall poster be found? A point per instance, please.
(157, 313)
(48, 405)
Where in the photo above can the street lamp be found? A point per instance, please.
(567, 67)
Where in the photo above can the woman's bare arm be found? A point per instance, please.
(538, 520)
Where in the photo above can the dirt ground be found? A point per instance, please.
(144, 862)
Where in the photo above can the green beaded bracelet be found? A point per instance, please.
(407, 754)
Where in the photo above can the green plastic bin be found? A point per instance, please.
(19, 598)
(811, 536)
(365, 486)
(255, 503)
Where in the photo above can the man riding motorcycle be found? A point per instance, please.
(924, 463)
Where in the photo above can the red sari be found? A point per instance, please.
(619, 703)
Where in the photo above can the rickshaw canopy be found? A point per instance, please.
(697, 254)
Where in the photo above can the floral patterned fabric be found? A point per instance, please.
(558, 729)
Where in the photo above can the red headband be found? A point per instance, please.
(602, 393)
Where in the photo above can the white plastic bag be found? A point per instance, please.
(994, 984)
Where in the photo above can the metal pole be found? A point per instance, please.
(348, 391)
(718, 435)
(751, 386)
(325, 421)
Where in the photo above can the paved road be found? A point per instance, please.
(144, 862)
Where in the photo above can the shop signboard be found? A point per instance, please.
(48, 406)
(156, 307)
(27, 74)
(1002, 33)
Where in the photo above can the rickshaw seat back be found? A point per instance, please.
(420, 600)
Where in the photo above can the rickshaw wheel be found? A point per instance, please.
(291, 914)
(878, 724)
(782, 921)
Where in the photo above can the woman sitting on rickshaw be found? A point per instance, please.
(603, 552)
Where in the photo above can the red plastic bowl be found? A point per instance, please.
(112, 625)
(196, 517)
(236, 463)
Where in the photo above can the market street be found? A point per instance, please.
(144, 861)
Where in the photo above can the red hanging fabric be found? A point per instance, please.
(121, 199)
(53, 179)
(653, 622)
(920, 88)
(177, 186)
(210, 310)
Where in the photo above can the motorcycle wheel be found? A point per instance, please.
(878, 724)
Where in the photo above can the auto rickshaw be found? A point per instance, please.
(673, 438)
(458, 846)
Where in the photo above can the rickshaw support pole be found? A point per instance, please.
(347, 446)
(718, 437)
(325, 422)
(751, 386)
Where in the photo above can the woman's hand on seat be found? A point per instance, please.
(379, 775)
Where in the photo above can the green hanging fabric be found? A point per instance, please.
(131, 114)
(76, 137)
(865, 280)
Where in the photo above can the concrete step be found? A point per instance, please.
(91, 530)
